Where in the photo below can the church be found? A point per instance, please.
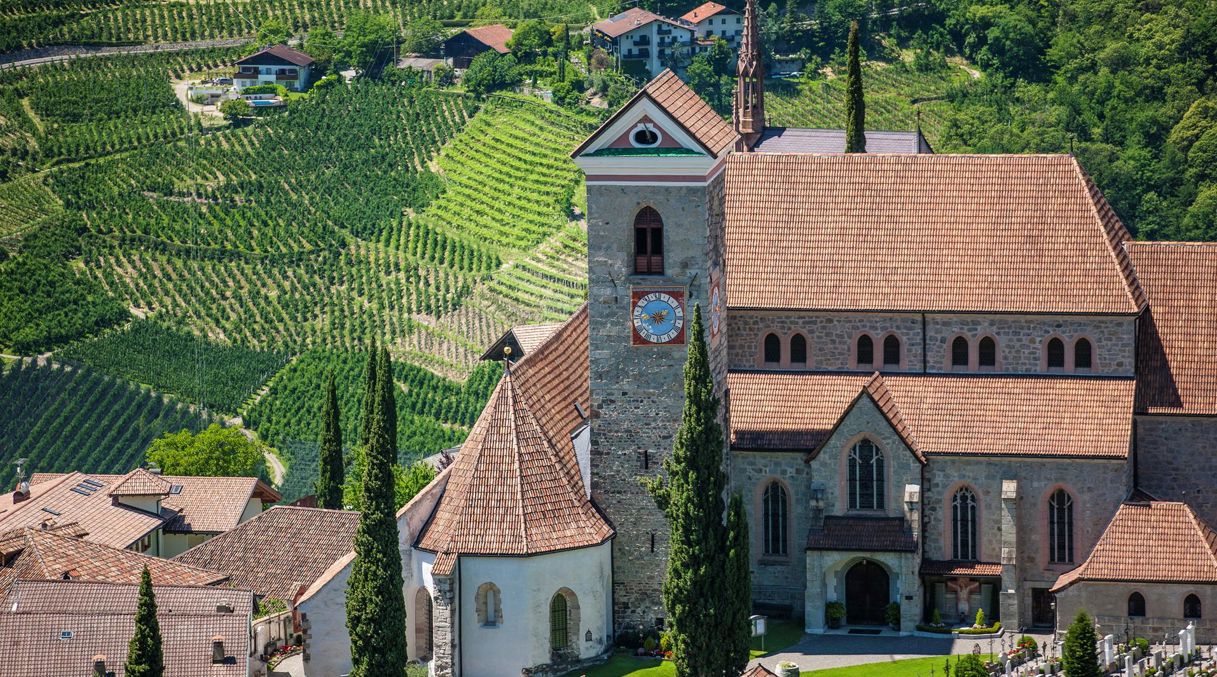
(949, 383)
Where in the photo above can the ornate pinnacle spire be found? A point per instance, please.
(749, 114)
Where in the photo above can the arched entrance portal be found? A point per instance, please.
(867, 593)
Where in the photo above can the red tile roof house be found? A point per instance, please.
(712, 20)
(149, 513)
(643, 42)
(460, 49)
(275, 65)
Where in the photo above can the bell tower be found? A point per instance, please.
(749, 113)
(655, 228)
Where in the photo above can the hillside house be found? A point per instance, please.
(712, 20)
(462, 48)
(644, 41)
(277, 65)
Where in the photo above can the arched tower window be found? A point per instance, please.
(1136, 605)
(773, 349)
(773, 518)
(559, 637)
(798, 350)
(648, 242)
(963, 524)
(959, 353)
(987, 353)
(891, 351)
(866, 478)
(1191, 607)
(1055, 353)
(866, 351)
(1083, 355)
(1060, 527)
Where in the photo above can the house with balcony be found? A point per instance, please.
(644, 41)
(276, 65)
(712, 20)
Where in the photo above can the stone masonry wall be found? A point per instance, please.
(776, 580)
(1021, 340)
(1108, 604)
(830, 336)
(1177, 459)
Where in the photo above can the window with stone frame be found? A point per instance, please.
(1191, 607)
(772, 349)
(559, 639)
(865, 351)
(986, 357)
(866, 481)
(891, 351)
(1055, 354)
(488, 603)
(959, 353)
(1083, 355)
(798, 350)
(1060, 527)
(773, 520)
(1136, 605)
(648, 242)
(963, 525)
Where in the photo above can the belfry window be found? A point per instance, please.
(866, 478)
(648, 242)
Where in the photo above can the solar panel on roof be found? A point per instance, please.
(86, 487)
(93, 483)
(82, 492)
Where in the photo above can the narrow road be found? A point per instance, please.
(277, 471)
(36, 56)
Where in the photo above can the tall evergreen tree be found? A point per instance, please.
(388, 402)
(855, 102)
(739, 587)
(144, 655)
(1078, 655)
(376, 606)
(332, 468)
(695, 586)
(369, 395)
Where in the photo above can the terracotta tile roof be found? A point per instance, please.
(670, 93)
(200, 504)
(804, 140)
(280, 552)
(52, 554)
(758, 670)
(1153, 542)
(292, 56)
(939, 414)
(934, 567)
(81, 499)
(635, 17)
(101, 621)
(880, 534)
(494, 36)
(515, 487)
(140, 482)
(1177, 352)
(705, 11)
(997, 233)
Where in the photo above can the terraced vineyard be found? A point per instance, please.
(69, 418)
(24, 203)
(890, 92)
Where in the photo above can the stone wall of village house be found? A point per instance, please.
(1020, 339)
(777, 581)
(1177, 459)
(1097, 487)
(637, 391)
(1108, 604)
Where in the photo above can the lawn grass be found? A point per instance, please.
(782, 633)
(909, 667)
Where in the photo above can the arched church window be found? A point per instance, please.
(798, 350)
(891, 351)
(488, 604)
(648, 242)
(1055, 353)
(1191, 607)
(1083, 355)
(866, 478)
(986, 356)
(773, 349)
(558, 635)
(963, 524)
(865, 351)
(1060, 527)
(773, 517)
(1136, 605)
(959, 352)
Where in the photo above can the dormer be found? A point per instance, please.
(142, 490)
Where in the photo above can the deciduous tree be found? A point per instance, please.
(215, 451)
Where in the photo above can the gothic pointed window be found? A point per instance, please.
(1055, 353)
(891, 351)
(986, 356)
(648, 242)
(773, 350)
(558, 635)
(865, 351)
(1060, 527)
(963, 525)
(1136, 605)
(959, 353)
(798, 350)
(1083, 355)
(866, 479)
(1191, 607)
(773, 517)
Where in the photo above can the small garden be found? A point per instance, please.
(980, 627)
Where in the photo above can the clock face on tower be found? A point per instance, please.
(658, 317)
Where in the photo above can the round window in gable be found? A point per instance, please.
(645, 136)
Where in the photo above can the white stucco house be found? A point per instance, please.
(276, 65)
(639, 39)
(712, 20)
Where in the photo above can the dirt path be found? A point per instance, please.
(277, 470)
(36, 56)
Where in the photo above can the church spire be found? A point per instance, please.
(749, 114)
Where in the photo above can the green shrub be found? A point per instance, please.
(834, 611)
(892, 615)
(980, 618)
(986, 630)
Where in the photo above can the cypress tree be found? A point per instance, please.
(855, 102)
(144, 655)
(388, 401)
(694, 588)
(376, 605)
(739, 587)
(1078, 655)
(331, 471)
(369, 395)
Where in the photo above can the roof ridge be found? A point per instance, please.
(130, 553)
(885, 400)
(1116, 235)
(1205, 532)
(515, 457)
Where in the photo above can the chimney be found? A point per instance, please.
(22, 491)
(99, 665)
(217, 649)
